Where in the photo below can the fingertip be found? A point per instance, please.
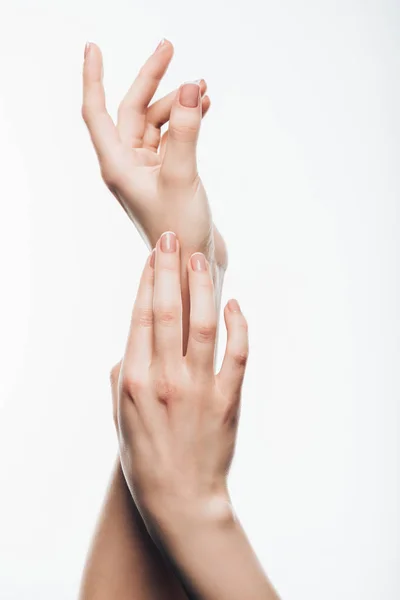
(169, 45)
(190, 94)
(168, 242)
(164, 45)
(93, 63)
(203, 87)
(234, 317)
(205, 105)
(91, 49)
(87, 50)
(198, 263)
(233, 306)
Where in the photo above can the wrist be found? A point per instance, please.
(179, 516)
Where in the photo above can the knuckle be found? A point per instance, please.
(206, 282)
(204, 332)
(169, 265)
(86, 112)
(167, 316)
(166, 388)
(132, 385)
(240, 358)
(144, 317)
(184, 131)
(232, 414)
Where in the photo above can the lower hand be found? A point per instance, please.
(176, 420)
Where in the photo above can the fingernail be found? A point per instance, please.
(168, 242)
(189, 95)
(161, 44)
(152, 260)
(87, 48)
(233, 306)
(198, 262)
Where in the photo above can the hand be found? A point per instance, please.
(154, 178)
(176, 420)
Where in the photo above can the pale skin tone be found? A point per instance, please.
(155, 179)
(123, 561)
(177, 421)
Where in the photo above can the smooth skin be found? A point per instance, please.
(177, 422)
(154, 177)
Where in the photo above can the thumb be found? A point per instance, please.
(179, 163)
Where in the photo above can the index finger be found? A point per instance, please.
(101, 127)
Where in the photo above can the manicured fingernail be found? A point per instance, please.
(189, 95)
(233, 306)
(152, 260)
(198, 262)
(160, 45)
(168, 242)
(87, 48)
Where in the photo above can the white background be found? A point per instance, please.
(300, 157)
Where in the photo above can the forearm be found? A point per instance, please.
(123, 562)
(213, 555)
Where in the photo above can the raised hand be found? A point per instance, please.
(154, 177)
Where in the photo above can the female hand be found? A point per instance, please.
(176, 420)
(154, 178)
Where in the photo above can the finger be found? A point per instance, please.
(94, 112)
(154, 143)
(167, 303)
(179, 164)
(138, 352)
(132, 110)
(206, 103)
(203, 316)
(205, 106)
(237, 349)
(159, 114)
